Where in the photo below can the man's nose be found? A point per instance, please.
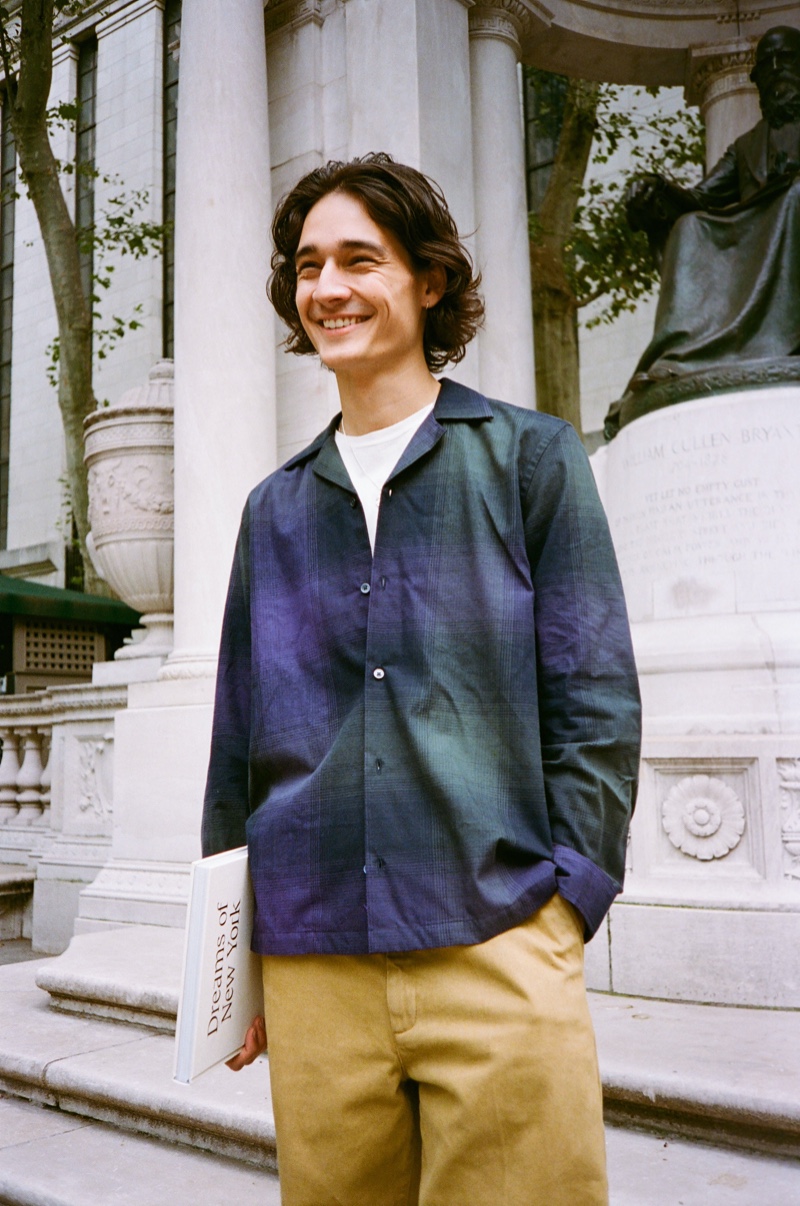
(331, 282)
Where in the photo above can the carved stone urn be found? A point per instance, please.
(129, 455)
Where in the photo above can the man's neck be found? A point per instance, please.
(381, 400)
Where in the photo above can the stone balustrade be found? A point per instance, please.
(58, 742)
(26, 724)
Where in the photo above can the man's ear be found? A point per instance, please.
(435, 285)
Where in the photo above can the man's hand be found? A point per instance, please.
(255, 1042)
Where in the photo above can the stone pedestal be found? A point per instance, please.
(703, 500)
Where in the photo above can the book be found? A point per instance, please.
(221, 987)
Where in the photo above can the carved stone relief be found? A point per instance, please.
(789, 793)
(95, 777)
(703, 817)
(132, 492)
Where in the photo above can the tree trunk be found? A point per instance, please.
(28, 114)
(554, 304)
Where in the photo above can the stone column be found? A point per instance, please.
(224, 358)
(298, 64)
(408, 71)
(719, 82)
(501, 210)
(224, 444)
(129, 156)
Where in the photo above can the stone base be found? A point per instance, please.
(132, 670)
(131, 892)
(711, 907)
(161, 757)
(703, 501)
(648, 392)
(70, 863)
(707, 955)
(16, 894)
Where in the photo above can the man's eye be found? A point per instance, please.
(306, 269)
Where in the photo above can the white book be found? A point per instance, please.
(221, 989)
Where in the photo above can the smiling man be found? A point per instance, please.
(427, 730)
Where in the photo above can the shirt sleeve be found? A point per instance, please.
(589, 708)
(226, 805)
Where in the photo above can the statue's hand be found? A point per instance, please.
(641, 199)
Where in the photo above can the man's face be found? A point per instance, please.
(777, 72)
(360, 300)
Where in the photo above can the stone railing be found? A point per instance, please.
(26, 731)
(57, 744)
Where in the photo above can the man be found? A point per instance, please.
(427, 726)
(731, 264)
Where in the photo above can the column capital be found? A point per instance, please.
(506, 20)
(714, 70)
(294, 13)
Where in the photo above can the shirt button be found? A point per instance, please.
(352, 502)
(378, 672)
(365, 588)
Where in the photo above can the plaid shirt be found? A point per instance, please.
(423, 745)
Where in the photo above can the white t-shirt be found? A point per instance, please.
(370, 458)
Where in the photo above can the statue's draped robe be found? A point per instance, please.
(730, 287)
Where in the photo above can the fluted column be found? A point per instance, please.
(501, 211)
(719, 82)
(225, 433)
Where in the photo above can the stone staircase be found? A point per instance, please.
(703, 1102)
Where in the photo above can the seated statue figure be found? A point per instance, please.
(729, 251)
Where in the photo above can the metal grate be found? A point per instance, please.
(57, 645)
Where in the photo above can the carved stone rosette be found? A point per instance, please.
(703, 817)
(129, 454)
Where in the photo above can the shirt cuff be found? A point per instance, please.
(584, 885)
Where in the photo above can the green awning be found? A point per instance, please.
(21, 598)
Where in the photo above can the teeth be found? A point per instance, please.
(333, 324)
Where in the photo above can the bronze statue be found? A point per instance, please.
(729, 251)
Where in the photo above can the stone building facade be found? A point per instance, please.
(268, 91)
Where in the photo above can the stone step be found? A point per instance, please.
(122, 1075)
(92, 1095)
(720, 1073)
(647, 1170)
(131, 974)
(48, 1158)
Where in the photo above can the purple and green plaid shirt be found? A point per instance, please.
(422, 746)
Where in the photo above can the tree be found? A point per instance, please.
(582, 249)
(26, 49)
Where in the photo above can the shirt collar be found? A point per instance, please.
(455, 402)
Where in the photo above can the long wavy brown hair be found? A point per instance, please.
(411, 207)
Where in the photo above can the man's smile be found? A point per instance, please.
(335, 324)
